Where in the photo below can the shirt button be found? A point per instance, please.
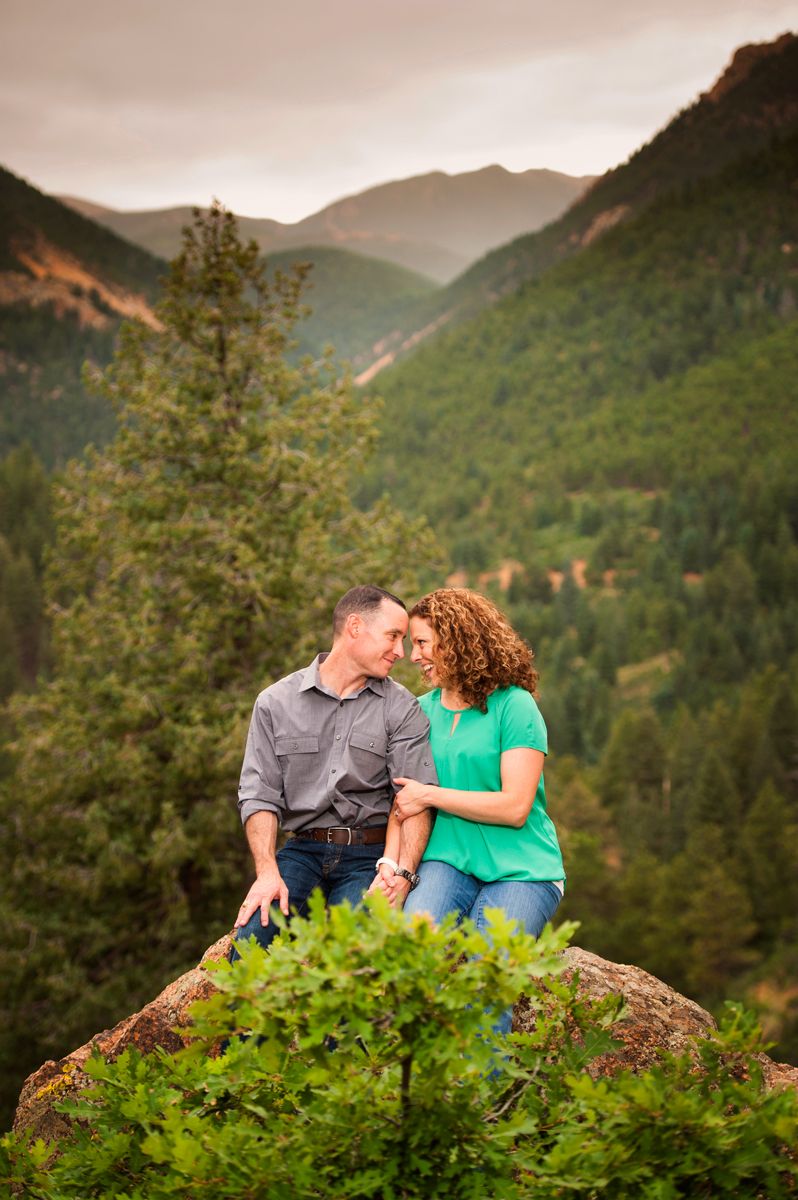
(371, 743)
(337, 737)
(332, 772)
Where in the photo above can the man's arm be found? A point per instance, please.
(408, 746)
(413, 837)
(404, 845)
(260, 802)
(261, 831)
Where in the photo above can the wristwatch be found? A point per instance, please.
(414, 879)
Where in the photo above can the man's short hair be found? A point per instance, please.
(363, 600)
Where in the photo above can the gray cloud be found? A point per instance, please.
(280, 109)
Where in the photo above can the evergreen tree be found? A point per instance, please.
(698, 927)
(715, 798)
(718, 928)
(197, 559)
(783, 729)
(769, 851)
(632, 778)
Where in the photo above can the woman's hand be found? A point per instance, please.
(412, 799)
(394, 887)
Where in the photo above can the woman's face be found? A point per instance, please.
(423, 653)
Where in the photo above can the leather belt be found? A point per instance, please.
(342, 835)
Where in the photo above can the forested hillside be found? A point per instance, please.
(754, 102)
(352, 299)
(524, 395)
(613, 451)
(65, 285)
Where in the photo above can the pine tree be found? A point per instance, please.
(632, 779)
(197, 559)
(769, 852)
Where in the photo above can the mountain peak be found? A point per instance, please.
(744, 60)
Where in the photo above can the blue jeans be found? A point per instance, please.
(444, 890)
(341, 872)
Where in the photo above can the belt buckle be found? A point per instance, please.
(348, 841)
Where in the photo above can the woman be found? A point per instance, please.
(493, 844)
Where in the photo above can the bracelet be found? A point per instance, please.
(388, 862)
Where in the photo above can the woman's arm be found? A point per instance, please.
(520, 774)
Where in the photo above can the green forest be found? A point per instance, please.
(620, 436)
(610, 450)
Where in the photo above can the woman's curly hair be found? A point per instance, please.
(477, 649)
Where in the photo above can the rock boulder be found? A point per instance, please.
(657, 1018)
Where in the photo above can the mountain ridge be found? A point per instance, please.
(436, 223)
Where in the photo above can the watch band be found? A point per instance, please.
(413, 879)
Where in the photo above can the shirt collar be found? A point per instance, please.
(312, 679)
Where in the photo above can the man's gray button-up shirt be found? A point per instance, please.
(317, 760)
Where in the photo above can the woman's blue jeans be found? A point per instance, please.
(444, 890)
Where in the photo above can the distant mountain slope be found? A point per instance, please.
(42, 239)
(353, 298)
(753, 102)
(435, 224)
(545, 389)
(65, 284)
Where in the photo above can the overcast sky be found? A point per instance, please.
(281, 108)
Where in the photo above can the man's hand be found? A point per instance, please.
(411, 800)
(394, 887)
(268, 887)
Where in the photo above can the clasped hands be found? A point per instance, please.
(395, 888)
(408, 802)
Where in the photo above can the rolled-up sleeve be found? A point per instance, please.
(260, 788)
(409, 752)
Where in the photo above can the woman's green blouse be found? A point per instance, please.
(467, 749)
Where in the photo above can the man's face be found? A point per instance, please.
(380, 639)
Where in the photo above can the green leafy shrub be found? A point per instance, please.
(361, 1063)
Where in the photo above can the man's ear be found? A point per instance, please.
(353, 624)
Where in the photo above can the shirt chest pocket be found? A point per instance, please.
(368, 752)
(290, 748)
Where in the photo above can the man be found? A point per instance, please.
(324, 745)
